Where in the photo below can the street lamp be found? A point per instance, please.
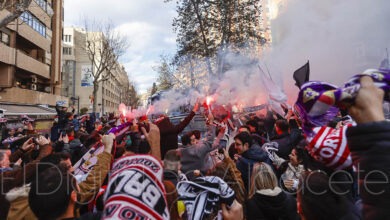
(78, 103)
(100, 104)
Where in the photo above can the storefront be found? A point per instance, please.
(11, 116)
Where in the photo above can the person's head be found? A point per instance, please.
(70, 132)
(4, 159)
(20, 130)
(317, 199)
(197, 134)
(296, 156)
(188, 139)
(253, 126)
(11, 132)
(55, 160)
(244, 128)
(223, 171)
(172, 160)
(242, 142)
(69, 116)
(263, 177)
(281, 126)
(292, 123)
(53, 193)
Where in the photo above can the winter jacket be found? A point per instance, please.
(76, 124)
(171, 176)
(95, 178)
(285, 145)
(369, 144)
(239, 189)
(20, 208)
(17, 178)
(198, 157)
(271, 205)
(245, 163)
(172, 198)
(169, 132)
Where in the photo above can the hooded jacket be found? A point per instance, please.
(245, 163)
(271, 205)
(169, 132)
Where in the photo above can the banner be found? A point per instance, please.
(86, 76)
(87, 162)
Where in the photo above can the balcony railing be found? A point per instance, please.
(30, 64)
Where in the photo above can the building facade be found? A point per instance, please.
(30, 55)
(77, 82)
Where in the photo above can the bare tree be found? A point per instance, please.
(104, 45)
(17, 7)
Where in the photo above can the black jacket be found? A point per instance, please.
(169, 132)
(370, 147)
(245, 163)
(272, 206)
(172, 176)
(285, 145)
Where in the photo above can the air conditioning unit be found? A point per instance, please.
(34, 79)
(34, 87)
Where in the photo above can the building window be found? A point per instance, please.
(33, 22)
(4, 38)
(68, 38)
(67, 51)
(42, 4)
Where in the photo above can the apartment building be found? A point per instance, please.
(77, 80)
(30, 55)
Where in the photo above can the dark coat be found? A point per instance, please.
(245, 163)
(285, 145)
(370, 147)
(272, 206)
(169, 133)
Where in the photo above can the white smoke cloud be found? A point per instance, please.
(340, 38)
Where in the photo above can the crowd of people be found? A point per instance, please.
(260, 170)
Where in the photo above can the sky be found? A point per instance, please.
(146, 23)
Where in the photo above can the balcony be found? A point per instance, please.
(30, 64)
(41, 14)
(27, 96)
(7, 54)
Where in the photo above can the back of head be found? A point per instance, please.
(317, 199)
(197, 134)
(282, 125)
(50, 193)
(292, 123)
(186, 139)
(222, 171)
(263, 177)
(52, 160)
(253, 123)
(172, 160)
(244, 137)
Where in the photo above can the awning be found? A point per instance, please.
(14, 109)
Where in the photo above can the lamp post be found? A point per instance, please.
(78, 103)
(100, 104)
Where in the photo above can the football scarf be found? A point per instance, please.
(135, 189)
(202, 196)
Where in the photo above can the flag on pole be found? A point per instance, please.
(302, 75)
